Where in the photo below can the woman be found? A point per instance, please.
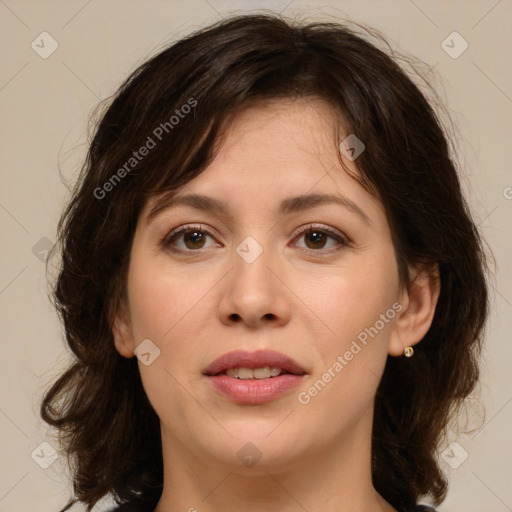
(271, 281)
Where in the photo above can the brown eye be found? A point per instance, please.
(194, 239)
(315, 239)
(187, 239)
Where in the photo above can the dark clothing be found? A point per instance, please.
(136, 507)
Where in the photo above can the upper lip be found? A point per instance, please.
(257, 359)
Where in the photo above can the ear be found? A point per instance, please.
(122, 331)
(418, 308)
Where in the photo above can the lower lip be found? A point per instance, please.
(254, 391)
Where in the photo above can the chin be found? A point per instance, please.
(258, 453)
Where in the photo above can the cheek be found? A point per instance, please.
(162, 299)
(348, 301)
(165, 306)
(152, 305)
(358, 307)
(171, 307)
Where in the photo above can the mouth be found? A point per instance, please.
(254, 378)
(259, 365)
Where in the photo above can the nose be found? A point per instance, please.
(254, 292)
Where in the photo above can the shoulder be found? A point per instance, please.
(132, 507)
(139, 507)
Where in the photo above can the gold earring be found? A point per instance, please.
(408, 351)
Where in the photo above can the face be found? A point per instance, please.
(316, 281)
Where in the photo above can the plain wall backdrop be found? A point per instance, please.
(60, 58)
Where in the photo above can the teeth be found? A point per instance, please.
(245, 373)
(257, 373)
(274, 371)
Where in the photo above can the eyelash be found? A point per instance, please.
(342, 241)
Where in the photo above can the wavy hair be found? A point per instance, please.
(105, 422)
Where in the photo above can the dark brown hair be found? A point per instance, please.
(106, 423)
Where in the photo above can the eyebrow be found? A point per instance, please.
(287, 206)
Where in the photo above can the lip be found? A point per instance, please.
(253, 392)
(257, 359)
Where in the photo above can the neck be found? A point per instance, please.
(336, 478)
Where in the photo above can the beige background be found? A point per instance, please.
(45, 104)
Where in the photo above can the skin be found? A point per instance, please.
(304, 298)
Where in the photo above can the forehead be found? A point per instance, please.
(290, 126)
(276, 150)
